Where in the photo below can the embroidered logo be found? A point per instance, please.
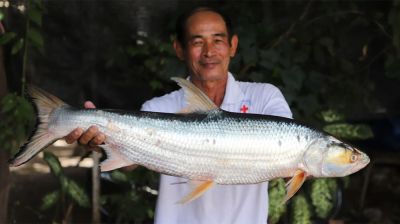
(244, 108)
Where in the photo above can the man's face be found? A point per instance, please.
(207, 50)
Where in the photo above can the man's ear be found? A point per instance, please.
(178, 50)
(234, 44)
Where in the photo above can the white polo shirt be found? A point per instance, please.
(222, 203)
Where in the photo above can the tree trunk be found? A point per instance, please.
(4, 154)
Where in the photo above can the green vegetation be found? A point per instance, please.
(333, 61)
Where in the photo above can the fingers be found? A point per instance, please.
(89, 105)
(88, 135)
(97, 140)
(74, 135)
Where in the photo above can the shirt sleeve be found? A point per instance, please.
(277, 105)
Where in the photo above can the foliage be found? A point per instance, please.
(17, 117)
(69, 193)
(30, 36)
(322, 196)
(276, 194)
(157, 59)
(135, 202)
(301, 210)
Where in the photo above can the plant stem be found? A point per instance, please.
(25, 55)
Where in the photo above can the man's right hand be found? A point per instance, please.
(92, 137)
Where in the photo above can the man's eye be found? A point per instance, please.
(197, 43)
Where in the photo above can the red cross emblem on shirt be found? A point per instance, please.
(244, 108)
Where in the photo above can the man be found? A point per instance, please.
(205, 43)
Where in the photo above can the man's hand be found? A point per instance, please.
(92, 137)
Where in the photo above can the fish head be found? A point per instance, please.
(330, 157)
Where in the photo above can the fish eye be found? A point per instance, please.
(353, 158)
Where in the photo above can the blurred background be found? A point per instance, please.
(336, 62)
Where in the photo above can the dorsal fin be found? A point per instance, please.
(197, 101)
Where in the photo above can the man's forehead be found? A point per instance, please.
(206, 22)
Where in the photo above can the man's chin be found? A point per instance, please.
(214, 76)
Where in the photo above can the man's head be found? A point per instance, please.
(180, 26)
(205, 43)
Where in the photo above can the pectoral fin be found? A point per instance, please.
(114, 159)
(294, 184)
(199, 187)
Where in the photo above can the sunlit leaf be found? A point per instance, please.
(331, 116)
(301, 210)
(119, 176)
(276, 194)
(322, 195)
(349, 131)
(78, 194)
(50, 199)
(53, 163)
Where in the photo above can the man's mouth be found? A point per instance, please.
(211, 64)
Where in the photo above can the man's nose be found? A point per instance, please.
(208, 49)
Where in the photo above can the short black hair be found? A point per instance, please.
(180, 26)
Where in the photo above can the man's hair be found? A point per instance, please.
(180, 26)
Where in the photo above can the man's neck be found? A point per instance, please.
(215, 90)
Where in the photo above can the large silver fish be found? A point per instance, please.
(203, 143)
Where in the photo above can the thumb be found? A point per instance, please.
(89, 105)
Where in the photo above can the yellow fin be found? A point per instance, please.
(197, 101)
(198, 189)
(294, 184)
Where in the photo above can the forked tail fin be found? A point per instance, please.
(41, 137)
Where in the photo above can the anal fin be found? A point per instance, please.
(198, 189)
(294, 184)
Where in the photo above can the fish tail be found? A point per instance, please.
(41, 137)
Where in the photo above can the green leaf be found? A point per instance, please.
(322, 195)
(301, 210)
(276, 194)
(53, 163)
(7, 37)
(78, 194)
(331, 116)
(50, 200)
(119, 176)
(36, 37)
(17, 117)
(35, 16)
(1, 15)
(17, 46)
(350, 131)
